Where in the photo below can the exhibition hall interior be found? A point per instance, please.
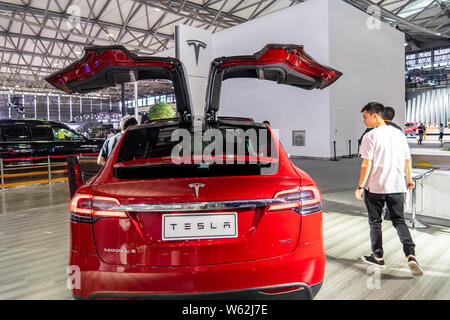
(225, 149)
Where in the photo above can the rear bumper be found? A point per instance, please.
(305, 292)
(304, 267)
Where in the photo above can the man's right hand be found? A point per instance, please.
(410, 184)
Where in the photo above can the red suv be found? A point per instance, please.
(410, 128)
(170, 215)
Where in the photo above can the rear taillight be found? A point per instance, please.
(85, 206)
(304, 200)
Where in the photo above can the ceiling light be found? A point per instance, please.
(157, 9)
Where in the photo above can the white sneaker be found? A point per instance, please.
(416, 270)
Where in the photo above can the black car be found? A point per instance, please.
(31, 141)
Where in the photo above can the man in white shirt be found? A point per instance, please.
(386, 159)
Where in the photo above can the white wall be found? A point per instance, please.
(335, 34)
(287, 108)
(372, 61)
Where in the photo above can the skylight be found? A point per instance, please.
(417, 6)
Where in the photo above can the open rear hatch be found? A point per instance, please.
(103, 67)
(285, 64)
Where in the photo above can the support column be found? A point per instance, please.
(59, 108)
(48, 109)
(9, 108)
(23, 105)
(81, 109)
(70, 108)
(136, 113)
(35, 108)
(122, 100)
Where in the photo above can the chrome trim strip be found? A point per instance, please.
(196, 206)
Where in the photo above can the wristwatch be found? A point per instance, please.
(359, 188)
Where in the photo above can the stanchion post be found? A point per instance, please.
(334, 147)
(49, 170)
(350, 148)
(414, 223)
(2, 173)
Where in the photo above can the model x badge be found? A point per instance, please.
(197, 186)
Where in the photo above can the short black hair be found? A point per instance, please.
(374, 107)
(126, 122)
(388, 113)
(130, 122)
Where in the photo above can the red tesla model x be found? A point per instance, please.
(183, 208)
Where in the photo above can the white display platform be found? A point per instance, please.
(432, 194)
(436, 158)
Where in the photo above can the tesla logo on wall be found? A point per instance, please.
(197, 45)
(197, 186)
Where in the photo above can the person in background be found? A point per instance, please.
(110, 143)
(388, 116)
(425, 128)
(386, 159)
(420, 130)
(441, 134)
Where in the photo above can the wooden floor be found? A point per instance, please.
(34, 242)
(34, 245)
(346, 236)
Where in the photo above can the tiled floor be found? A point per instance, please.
(34, 243)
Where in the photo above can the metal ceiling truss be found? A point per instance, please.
(38, 37)
(426, 23)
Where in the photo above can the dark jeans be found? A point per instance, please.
(420, 138)
(394, 201)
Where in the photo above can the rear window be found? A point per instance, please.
(155, 152)
(16, 132)
(41, 133)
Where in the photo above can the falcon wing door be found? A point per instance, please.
(103, 67)
(285, 64)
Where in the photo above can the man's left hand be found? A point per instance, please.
(358, 194)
